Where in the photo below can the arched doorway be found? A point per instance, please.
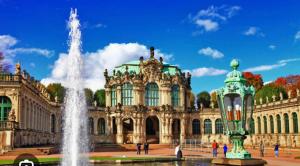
(176, 129)
(152, 129)
(128, 131)
(5, 107)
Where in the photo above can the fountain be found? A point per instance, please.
(75, 138)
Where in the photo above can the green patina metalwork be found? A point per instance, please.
(134, 67)
(236, 102)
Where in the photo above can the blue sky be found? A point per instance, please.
(199, 36)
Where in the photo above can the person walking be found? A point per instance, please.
(178, 152)
(261, 148)
(225, 150)
(138, 148)
(276, 150)
(215, 148)
(146, 147)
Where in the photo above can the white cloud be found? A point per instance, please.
(7, 46)
(206, 71)
(207, 24)
(209, 19)
(214, 53)
(279, 64)
(95, 63)
(289, 60)
(252, 31)
(272, 47)
(297, 35)
(99, 25)
(265, 67)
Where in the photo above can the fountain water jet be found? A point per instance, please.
(75, 139)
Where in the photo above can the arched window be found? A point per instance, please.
(219, 126)
(278, 119)
(286, 123)
(53, 121)
(272, 124)
(295, 122)
(207, 126)
(259, 125)
(252, 126)
(265, 125)
(113, 95)
(196, 127)
(175, 95)
(101, 126)
(91, 126)
(5, 107)
(127, 94)
(152, 94)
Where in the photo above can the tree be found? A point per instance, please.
(99, 97)
(253, 79)
(213, 99)
(89, 96)
(290, 83)
(4, 67)
(56, 89)
(204, 98)
(268, 91)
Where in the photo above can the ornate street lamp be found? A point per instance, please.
(236, 102)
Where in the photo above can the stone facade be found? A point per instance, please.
(145, 100)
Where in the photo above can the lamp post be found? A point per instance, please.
(236, 102)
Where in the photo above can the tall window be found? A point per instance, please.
(127, 94)
(196, 127)
(278, 123)
(286, 123)
(272, 124)
(113, 96)
(5, 107)
(91, 126)
(101, 126)
(175, 95)
(53, 121)
(152, 94)
(295, 122)
(259, 125)
(252, 126)
(265, 125)
(207, 126)
(219, 126)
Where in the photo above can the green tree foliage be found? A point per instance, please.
(4, 67)
(99, 97)
(213, 96)
(192, 101)
(56, 89)
(204, 98)
(270, 90)
(254, 79)
(89, 96)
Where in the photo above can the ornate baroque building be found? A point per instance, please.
(145, 100)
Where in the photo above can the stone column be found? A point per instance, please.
(268, 124)
(282, 124)
(119, 94)
(108, 97)
(298, 125)
(291, 125)
(182, 129)
(275, 124)
(182, 97)
(213, 126)
(119, 130)
(256, 125)
(168, 96)
(95, 126)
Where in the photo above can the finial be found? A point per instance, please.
(234, 64)
(151, 52)
(161, 59)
